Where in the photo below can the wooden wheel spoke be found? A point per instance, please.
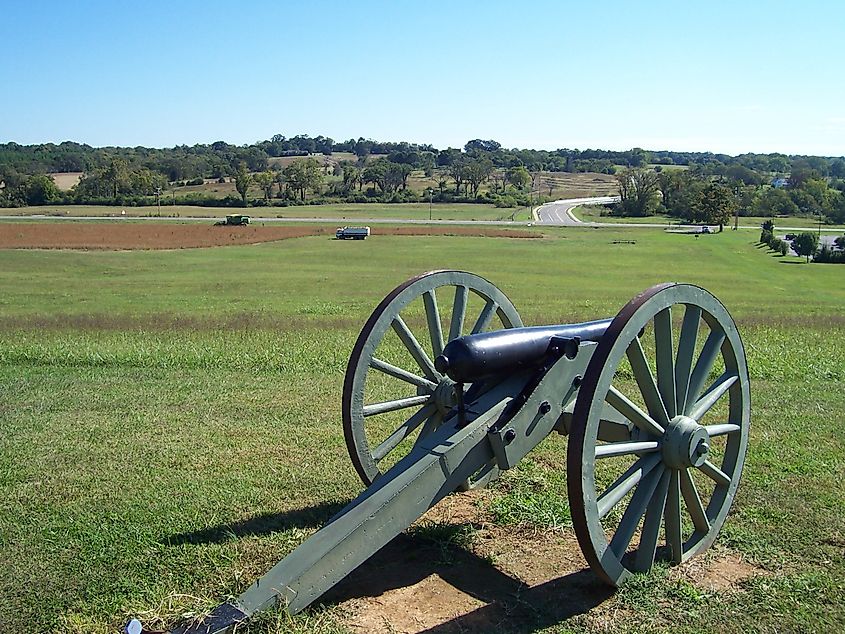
(686, 350)
(485, 317)
(402, 432)
(626, 448)
(432, 315)
(402, 375)
(646, 383)
(459, 310)
(651, 526)
(664, 352)
(391, 406)
(624, 483)
(693, 502)
(715, 473)
(705, 362)
(722, 429)
(709, 398)
(672, 515)
(414, 348)
(633, 413)
(635, 510)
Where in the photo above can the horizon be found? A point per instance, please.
(722, 79)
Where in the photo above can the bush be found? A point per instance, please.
(784, 247)
(769, 226)
(195, 181)
(765, 236)
(826, 255)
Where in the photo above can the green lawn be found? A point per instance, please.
(170, 421)
(595, 213)
(411, 211)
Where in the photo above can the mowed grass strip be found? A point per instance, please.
(171, 421)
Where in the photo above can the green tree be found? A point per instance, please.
(265, 180)
(40, 190)
(774, 201)
(806, 244)
(457, 170)
(637, 191)
(716, 205)
(303, 175)
(477, 171)
(518, 177)
(243, 179)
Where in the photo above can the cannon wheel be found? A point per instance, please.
(422, 394)
(678, 473)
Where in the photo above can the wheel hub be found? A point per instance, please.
(685, 444)
(445, 397)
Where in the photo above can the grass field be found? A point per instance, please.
(594, 213)
(170, 427)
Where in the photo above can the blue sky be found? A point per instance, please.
(720, 76)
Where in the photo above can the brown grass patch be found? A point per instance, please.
(119, 236)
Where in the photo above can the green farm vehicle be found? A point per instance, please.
(233, 220)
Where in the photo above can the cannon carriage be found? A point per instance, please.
(446, 388)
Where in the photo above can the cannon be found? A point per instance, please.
(446, 388)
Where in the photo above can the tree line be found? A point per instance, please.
(709, 188)
(699, 195)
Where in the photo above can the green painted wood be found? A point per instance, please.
(605, 519)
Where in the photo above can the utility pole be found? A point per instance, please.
(430, 192)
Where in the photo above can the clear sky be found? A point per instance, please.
(715, 76)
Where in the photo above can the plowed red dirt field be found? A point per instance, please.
(114, 236)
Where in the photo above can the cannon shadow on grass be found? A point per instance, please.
(264, 524)
(511, 605)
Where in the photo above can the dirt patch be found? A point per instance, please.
(118, 236)
(718, 571)
(492, 578)
(501, 579)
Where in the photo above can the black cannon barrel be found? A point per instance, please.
(473, 357)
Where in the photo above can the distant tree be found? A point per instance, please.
(478, 169)
(265, 181)
(116, 175)
(243, 179)
(774, 201)
(637, 190)
(457, 170)
(480, 145)
(740, 173)
(351, 176)
(837, 168)
(303, 175)
(518, 177)
(806, 244)
(716, 205)
(40, 190)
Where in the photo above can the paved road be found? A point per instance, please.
(558, 212)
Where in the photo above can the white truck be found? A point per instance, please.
(352, 233)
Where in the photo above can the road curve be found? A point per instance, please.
(559, 212)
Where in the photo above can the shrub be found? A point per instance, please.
(826, 255)
(765, 236)
(784, 247)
